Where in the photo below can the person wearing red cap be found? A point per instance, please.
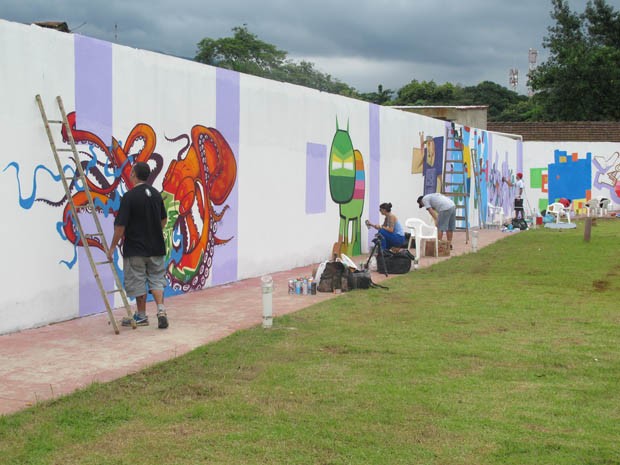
(520, 185)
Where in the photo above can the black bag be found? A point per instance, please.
(519, 223)
(360, 279)
(395, 263)
(335, 276)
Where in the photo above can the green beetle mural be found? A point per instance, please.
(347, 186)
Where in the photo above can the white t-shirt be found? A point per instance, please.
(437, 202)
(520, 188)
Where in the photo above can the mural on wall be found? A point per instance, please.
(569, 177)
(481, 178)
(468, 140)
(500, 194)
(428, 160)
(195, 183)
(607, 174)
(347, 186)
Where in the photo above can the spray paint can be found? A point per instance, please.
(304, 286)
(291, 286)
(298, 286)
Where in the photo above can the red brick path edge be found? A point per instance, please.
(57, 359)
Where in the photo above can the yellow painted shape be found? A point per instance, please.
(417, 161)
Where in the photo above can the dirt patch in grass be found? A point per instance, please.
(600, 285)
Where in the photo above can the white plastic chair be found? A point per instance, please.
(495, 215)
(604, 206)
(598, 206)
(592, 206)
(421, 232)
(559, 211)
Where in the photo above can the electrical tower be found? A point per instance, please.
(532, 56)
(513, 78)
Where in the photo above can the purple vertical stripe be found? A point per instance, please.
(519, 156)
(227, 106)
(93, 86)
(93, 108)
(316, 178)
(490, 158)
(374, 170)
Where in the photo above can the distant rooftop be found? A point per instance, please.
(57, 25)
(574, 131)
(456, 107)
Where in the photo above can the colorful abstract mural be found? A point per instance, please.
(198, 181)
(567, 177)
(607, 174)
(347, 186)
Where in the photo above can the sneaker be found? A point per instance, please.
(162, 319)
(141, 320)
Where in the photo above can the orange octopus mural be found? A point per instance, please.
(195, 183)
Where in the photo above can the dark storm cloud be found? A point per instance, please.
(360, 42)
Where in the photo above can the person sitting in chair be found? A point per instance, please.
(391, 231)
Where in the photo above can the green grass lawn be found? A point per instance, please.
(507, 356)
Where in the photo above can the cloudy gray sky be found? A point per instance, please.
(361, 42)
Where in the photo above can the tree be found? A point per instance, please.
(581, 79)
(524, 110)
(498, 98)
(246, 53)
(381, 97)
(427, 93)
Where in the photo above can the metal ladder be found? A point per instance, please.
(454, 177)
(81, 176)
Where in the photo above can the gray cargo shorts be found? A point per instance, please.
(140, 271)
(446, 220)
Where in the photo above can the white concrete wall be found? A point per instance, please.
(280, 212)
(36, 289)
(598, 175)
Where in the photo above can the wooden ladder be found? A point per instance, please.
(80, 176)
(454, 177)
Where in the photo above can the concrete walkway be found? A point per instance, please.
(55, 360)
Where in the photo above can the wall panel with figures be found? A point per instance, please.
(257, 176)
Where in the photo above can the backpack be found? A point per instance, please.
(519, 223)
(394, 263)
(334, 276)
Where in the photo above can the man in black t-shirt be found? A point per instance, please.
(140, 220)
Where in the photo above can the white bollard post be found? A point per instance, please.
(267, 290)
(474, 241)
